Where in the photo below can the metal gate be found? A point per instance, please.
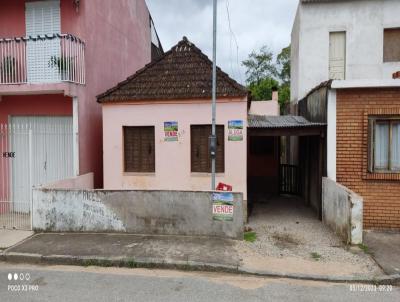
(34, 151)
(289, 180)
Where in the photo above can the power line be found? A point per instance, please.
(234, 38)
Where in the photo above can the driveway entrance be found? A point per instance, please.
(291, 239)
(270, 173)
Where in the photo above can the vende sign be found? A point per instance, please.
(222, 207)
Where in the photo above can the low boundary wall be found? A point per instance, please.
(139, 212)
(342, 211)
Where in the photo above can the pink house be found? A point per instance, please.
(156, 126)
(55, 57)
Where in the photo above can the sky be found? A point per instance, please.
(253, 23)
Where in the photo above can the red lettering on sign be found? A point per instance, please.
(222, 209)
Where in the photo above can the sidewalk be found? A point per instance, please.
(190, 253)
(385, 248)
(9, 238)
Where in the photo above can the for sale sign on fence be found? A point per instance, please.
(222, 207)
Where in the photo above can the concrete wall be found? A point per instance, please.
(139, 212)
(172, 159)
(364, 22)
(342, 211)
(80, 182)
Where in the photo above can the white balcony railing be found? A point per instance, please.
(42, 59)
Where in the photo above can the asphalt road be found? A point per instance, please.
(67, 283)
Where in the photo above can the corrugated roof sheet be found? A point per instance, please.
(183, 72)
(316, 1)
(285, 121)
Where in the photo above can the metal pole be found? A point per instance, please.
(214, 96)
(31, 175)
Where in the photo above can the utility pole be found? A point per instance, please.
(213, 137)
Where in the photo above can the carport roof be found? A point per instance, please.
(286, 125)
(285, 121)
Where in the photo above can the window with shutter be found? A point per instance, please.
(200, 155)
(337, 55)
(42, 18)
(139, 149)
(391, 42)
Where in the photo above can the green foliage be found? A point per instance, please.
(262, 90)
(315, 256)
(260, 65)
(283, 62)
(8, 69)
(250, 236)
(264, 74)
(62, 63)
(365, 248)
(284, 95)
(8, 65)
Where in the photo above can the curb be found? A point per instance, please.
(182, 265)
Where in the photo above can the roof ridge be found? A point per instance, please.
(231, 81)
(179, 47)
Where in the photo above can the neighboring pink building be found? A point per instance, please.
(156, 126)
(268, 108)
(55, 57)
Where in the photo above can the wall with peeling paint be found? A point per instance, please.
(139, 212)
(342, 211)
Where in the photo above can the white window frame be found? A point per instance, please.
(372, 121)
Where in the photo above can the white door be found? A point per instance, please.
(43, 18)
(44, 144)
(337, 55)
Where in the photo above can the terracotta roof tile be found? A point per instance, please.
(183, 72)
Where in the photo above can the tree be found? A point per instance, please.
(283, 67)
(283, 62)
(260, 65)
(263, 89)
(264, 74)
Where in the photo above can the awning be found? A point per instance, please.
(286, 125)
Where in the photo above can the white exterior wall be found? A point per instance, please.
(364, 22)
(331, 135)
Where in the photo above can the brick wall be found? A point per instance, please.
(381, 192)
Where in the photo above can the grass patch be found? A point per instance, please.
(129, 263)
(364, 248)
(315, 256)
(250, 236)
(94, 262)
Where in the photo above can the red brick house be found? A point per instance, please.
(363, 143)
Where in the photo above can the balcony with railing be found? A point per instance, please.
(42, 59)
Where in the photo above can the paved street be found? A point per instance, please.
(68, 283)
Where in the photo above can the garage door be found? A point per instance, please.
(43, 149)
